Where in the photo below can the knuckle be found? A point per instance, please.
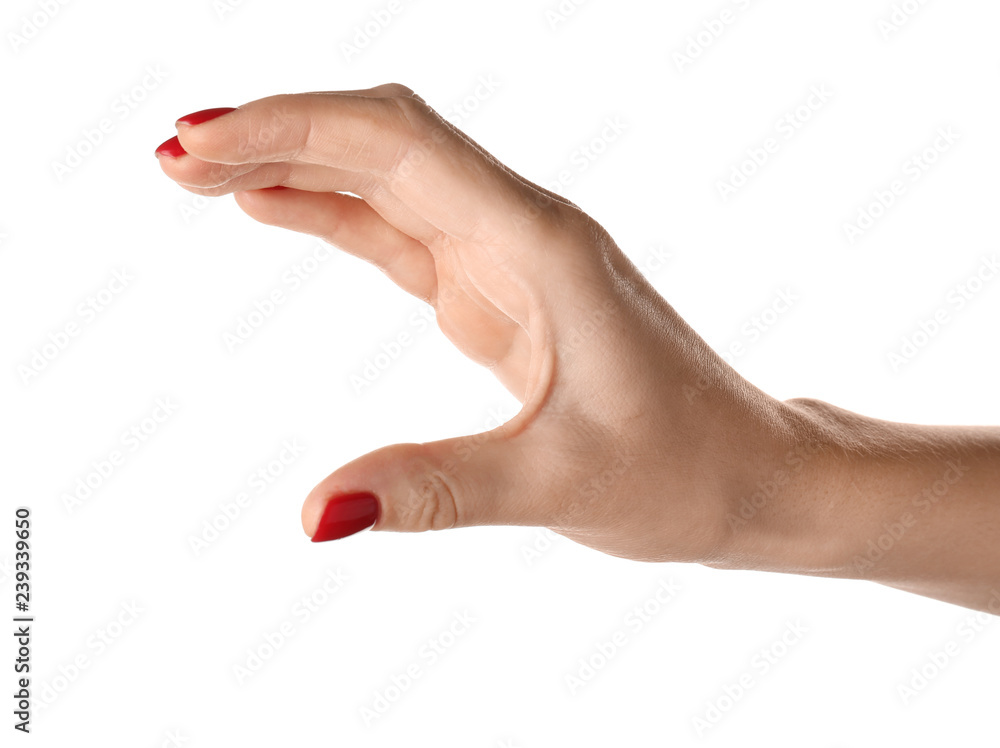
(416, 138)
(431, 503)
(407, 105)
(547, 219)
(251, 142)
(412, 113)
(204, 175)
(217, 175)
(257, 138)
(397, 89)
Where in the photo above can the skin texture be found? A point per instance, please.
(634, 437)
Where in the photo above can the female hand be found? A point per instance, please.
(634, 437)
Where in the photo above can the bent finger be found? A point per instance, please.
(351, 224)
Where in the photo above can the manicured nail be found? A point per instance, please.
(276, 187)
(171, 147)
(196, 118)
(345, 515)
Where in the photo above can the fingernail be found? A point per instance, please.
(196, 118)
(346, 515)
(276, 187)
(171, 147)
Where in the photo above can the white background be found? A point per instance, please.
(198, 266)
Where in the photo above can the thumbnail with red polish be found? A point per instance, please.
(196, 118)
(171, 147)
(345, 515)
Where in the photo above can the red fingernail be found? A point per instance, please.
(276, 187)
(346, 515)
(171, 147)
(196, 118)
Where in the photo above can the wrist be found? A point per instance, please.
(782, 513)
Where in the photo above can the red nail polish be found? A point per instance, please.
(171, 147)
(196, 118)
(346, 515)
(276, 187)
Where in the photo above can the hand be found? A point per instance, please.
(633, 434)
(634, 437)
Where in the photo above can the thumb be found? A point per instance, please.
(484, 479)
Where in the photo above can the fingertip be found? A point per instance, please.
(346, 515)
(309, 518)
(171, 147)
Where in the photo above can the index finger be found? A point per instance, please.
(398, 142)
